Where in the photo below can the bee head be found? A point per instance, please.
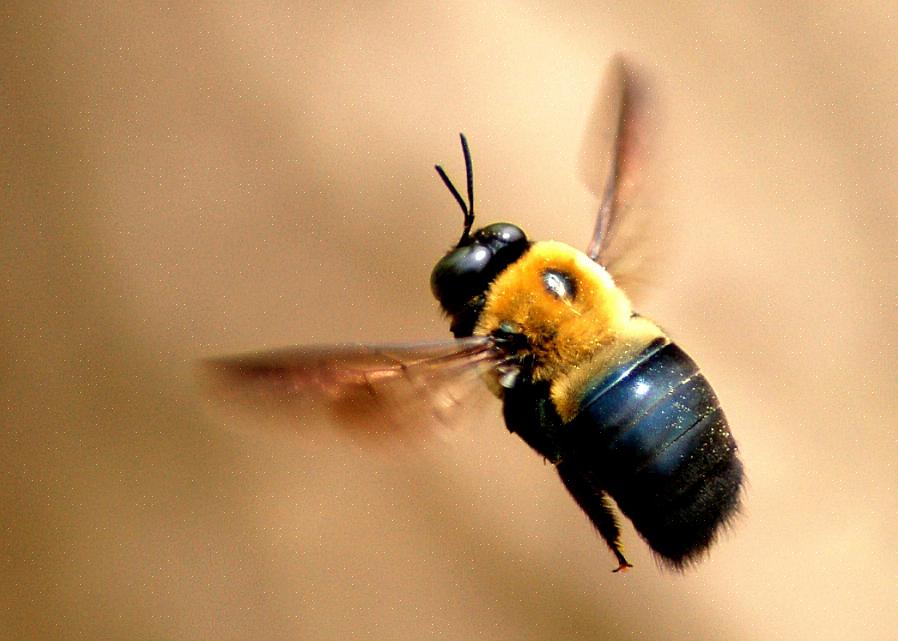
(461, 278)
(466, 271)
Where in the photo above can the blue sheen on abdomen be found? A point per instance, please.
(655, 438)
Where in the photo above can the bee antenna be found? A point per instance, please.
(467, 208)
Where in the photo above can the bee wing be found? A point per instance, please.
(613, 158)
(367, 389)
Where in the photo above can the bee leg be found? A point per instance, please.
(529, 413)
(595, 503)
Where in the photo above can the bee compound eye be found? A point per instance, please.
(461, 274)
(498, 236)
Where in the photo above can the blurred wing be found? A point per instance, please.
(612, 159)
(368, 390)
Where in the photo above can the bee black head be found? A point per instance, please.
(460, 279)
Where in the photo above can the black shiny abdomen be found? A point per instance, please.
(652, 435)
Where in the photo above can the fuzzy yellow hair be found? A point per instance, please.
(572, 339)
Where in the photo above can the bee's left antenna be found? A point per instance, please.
(467, 209)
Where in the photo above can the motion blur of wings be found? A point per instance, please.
(371, 391)
(391, 390)
(613, 163)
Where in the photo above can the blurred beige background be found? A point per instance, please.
(185, 180)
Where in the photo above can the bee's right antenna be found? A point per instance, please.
(467, 209)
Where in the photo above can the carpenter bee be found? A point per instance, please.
(596, 389)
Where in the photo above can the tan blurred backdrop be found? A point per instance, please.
(188, 179)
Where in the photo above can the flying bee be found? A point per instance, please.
(596, 389)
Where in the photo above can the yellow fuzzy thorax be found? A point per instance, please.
(571, 339)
